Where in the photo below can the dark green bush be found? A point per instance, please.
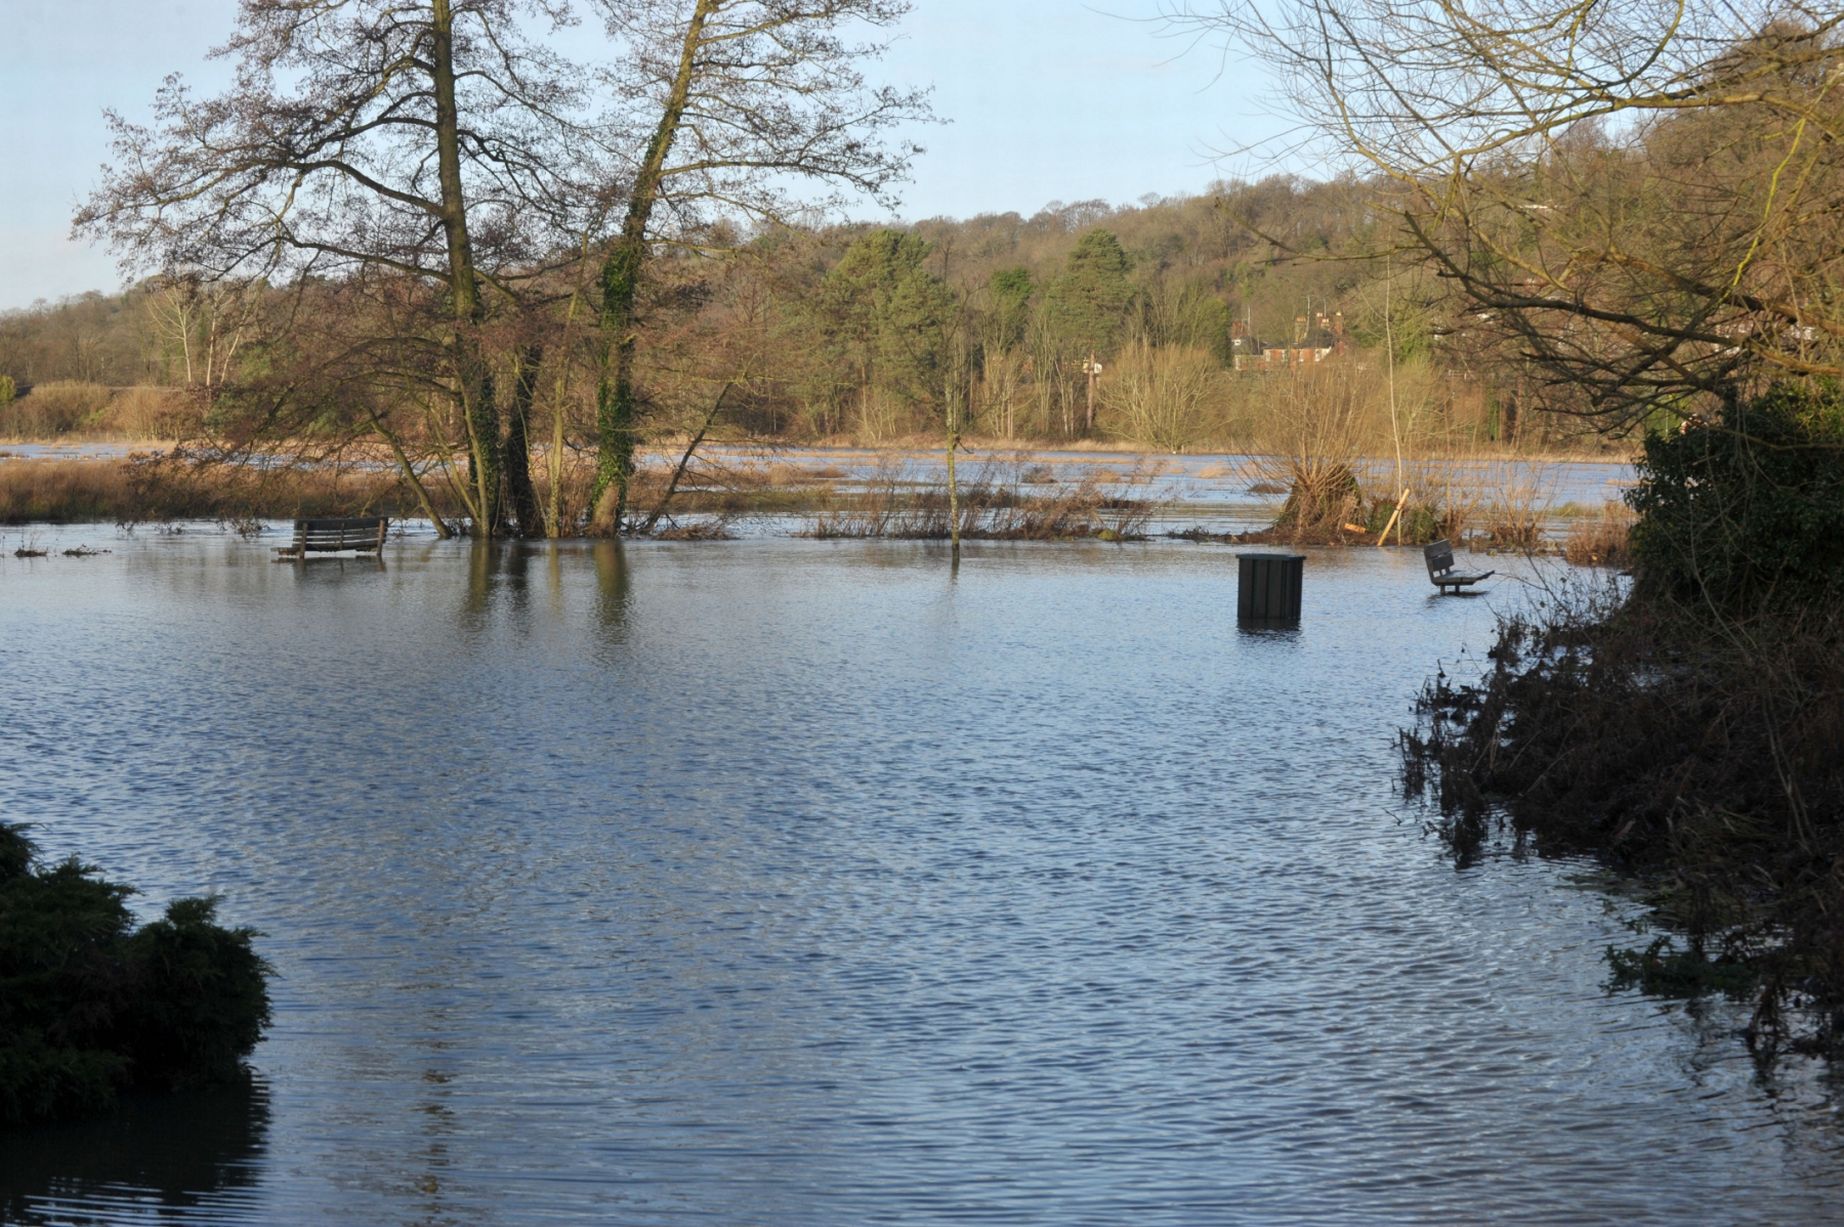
(1747, 512)
(90, 1006)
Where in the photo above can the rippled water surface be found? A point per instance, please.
(793, 882)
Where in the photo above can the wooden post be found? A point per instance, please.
(1090, 369)
(1392, 518)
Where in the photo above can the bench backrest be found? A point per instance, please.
(1439, 555)
(341, 533)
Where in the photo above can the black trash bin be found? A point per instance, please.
(1268, 587)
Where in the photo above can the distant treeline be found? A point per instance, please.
(855, 331)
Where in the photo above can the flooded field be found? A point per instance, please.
(798, 882)
(1218, 493)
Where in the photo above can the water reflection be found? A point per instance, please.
(166, 1156)
(1279, 631)
(333, 569)
(482, 562)
(553, 578)
(612, 587)
(516, 559)
(499, 583)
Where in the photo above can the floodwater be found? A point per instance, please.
(799, 882)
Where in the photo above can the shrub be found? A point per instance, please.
(1749, 510)
(8, 389)
(90, 1006)
(1419, 524)
(1690, 730)
(143, 412)
(1317, 428)
(1165, 397)
(57, 408)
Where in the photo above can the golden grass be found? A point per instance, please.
(1014, 494)
(1603, 540)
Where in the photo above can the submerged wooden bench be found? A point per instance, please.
(1439, 556)
(329, 535)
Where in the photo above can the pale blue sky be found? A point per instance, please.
(1049, 100)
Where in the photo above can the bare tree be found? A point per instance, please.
(750, 105)
(429, 142)
(1165, 396)
(1318, 424)
(1646, 195)
(207, 321)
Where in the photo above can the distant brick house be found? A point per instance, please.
(1313, 342)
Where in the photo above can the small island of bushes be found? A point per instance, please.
(92, 1006)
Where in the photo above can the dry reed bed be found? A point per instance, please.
(133, 491)
(1601, 540)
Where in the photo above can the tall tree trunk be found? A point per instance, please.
(553, 519)
(518, 443)
(616, 409)
(474, 384)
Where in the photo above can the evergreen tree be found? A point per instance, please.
(1088, 300)
(890, 316)
(1010, 290)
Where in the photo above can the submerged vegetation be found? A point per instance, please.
(91, 1006)
(1004, 501)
